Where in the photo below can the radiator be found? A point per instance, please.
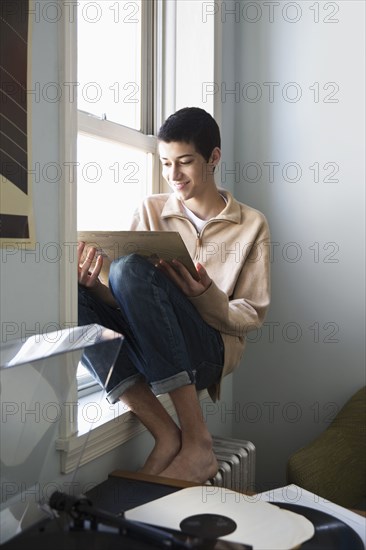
(236, 460)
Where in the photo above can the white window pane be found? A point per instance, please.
(109, 60)
(113, 179)
(194, 56)
(84, 377)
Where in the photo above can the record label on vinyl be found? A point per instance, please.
(208, 526)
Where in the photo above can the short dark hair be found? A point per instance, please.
(192, 125)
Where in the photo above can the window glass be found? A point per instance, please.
(194, 62)
(113, 179)
(109, 60)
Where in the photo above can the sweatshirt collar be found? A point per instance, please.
(231, 212)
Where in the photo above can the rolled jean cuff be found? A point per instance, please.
(115, 394)
(172, 383)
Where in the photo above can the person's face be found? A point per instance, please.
(185, 170)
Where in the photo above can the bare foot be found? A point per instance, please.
(193, 463)
(162, 455)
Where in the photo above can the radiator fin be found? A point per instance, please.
(236, 460)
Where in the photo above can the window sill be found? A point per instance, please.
(101, 428)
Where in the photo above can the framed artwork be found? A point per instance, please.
(16, 205)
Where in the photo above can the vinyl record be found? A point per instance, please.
(330, 532)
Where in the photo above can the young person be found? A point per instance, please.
(182, 334)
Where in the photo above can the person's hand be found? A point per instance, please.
(180, 275)
(88, 276)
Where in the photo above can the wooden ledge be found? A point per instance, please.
(140, 476)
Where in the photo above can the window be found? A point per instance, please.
(110, 60)
(194, 57)
(112, 184)
(116, 146)
(133, 58)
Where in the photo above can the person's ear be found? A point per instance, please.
(215, 156)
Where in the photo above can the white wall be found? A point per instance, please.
(309, 357)
(29, 282)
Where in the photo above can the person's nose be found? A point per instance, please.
(176, 173)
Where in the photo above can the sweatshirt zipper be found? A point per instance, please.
(199, 238)
(198, 246)
(198, 235)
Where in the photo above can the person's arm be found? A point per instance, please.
(88, 276)
(246, 309)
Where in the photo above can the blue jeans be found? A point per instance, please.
(166, 342)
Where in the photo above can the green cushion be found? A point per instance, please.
(333, 465)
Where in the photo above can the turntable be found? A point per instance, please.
(106, 517)
(78, 524)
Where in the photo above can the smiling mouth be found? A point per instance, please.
(180, 185)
